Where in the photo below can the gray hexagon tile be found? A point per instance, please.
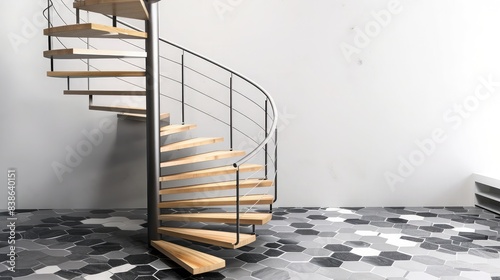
(300, 243)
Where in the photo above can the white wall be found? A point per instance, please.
(346, 124)
(40, 128)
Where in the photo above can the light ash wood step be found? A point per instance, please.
(95, 74)
(121, 8)
(93, 30)
(213, 237)
(211, 172)
(217, 186)
(216, 155)
(227, 218)
(164, 117)
(218, 201)
(118, 109)
(191, 260)
(175, 128)
(190, 143)
(91, 54)
(106, 92)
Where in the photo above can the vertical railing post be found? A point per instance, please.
(48, 14)
(237, 206)
(49, 38)
(153, 119)
(182, 85)
(266, 133)
(91, 97)
(231, 112)
(275, 166)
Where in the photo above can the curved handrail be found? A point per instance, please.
(274, 125)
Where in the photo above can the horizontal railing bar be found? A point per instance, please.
(132, 44)
(199, 110)
(57, 12)
(172, 79)
(133, 64)
(200, 92)
(204, 75)
(257, 104)
(171, 60)
(250, 119)
(69, 9)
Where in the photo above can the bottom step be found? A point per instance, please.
(193, 261)
(213, 237)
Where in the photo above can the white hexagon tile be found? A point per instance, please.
(299, 243)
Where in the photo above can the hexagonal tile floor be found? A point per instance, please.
(299, 243)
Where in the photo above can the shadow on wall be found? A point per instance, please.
(122, 181)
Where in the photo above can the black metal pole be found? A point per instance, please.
(275, 166)
(49, 38)
(153, 119)
(265, 147)
(48, 13)
(182, 89)
(231, 112)
(237, 206)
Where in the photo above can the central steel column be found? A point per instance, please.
(153, 118)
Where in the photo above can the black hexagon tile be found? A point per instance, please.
(298, 243)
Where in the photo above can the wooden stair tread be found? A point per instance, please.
(195, 142)
(193, 261)
(249, 183)
(218, 201)
(164, 117)
(94, 30)
(215, 155)
(121, 8)
(118, 109)
(91, 53)
(227, 218)
(215, 171)
(95, 74)
(175, 128)
(213, 237)
(105, 92)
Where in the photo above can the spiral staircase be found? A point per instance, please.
(194, 197)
